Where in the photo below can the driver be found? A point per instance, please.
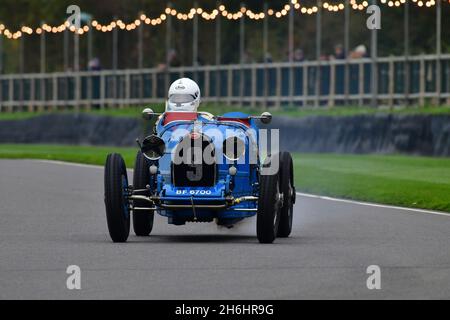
(184, 95)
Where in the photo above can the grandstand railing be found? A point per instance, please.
(415, 80)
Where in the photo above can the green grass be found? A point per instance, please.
(408, 181)
(290, 111)
(78, 154)
(419, 182)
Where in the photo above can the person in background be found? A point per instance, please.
(298, 55)
(172, 58)
(94, 65)
(339, 53)
(359, 52)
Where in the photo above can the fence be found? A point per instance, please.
(398, 80)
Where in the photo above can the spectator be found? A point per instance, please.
(172, 58)
(94, 65)
(359, 52)
(298, 55)
(339, 53)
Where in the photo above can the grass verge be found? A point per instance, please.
(419, 182)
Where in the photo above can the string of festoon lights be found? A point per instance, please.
(212, 15)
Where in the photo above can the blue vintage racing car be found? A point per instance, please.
(196, 167)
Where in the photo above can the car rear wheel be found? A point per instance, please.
(288, 191)
(116, 198)
(269, 204)
(142, 219)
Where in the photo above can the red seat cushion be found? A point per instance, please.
(179, 116)
(246, 122)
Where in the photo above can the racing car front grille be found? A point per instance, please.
(190, 173)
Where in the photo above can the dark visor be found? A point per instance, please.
(181, 98)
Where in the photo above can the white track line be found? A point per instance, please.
(72, 164)
(367, 204)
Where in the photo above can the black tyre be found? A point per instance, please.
(142, 220)
(288, 191)
(116, 202)
(269, 203)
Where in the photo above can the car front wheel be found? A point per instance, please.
(142, 219)
(269, 205)
(288, 191)
(116, 198)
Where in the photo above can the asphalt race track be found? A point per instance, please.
(52, 216)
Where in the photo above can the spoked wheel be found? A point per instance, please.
(142, 219)
(269, 205)
(288, 191)
(116, 198)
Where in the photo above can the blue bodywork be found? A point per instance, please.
(226, 187)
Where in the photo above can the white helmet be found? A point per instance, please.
(184, 95)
